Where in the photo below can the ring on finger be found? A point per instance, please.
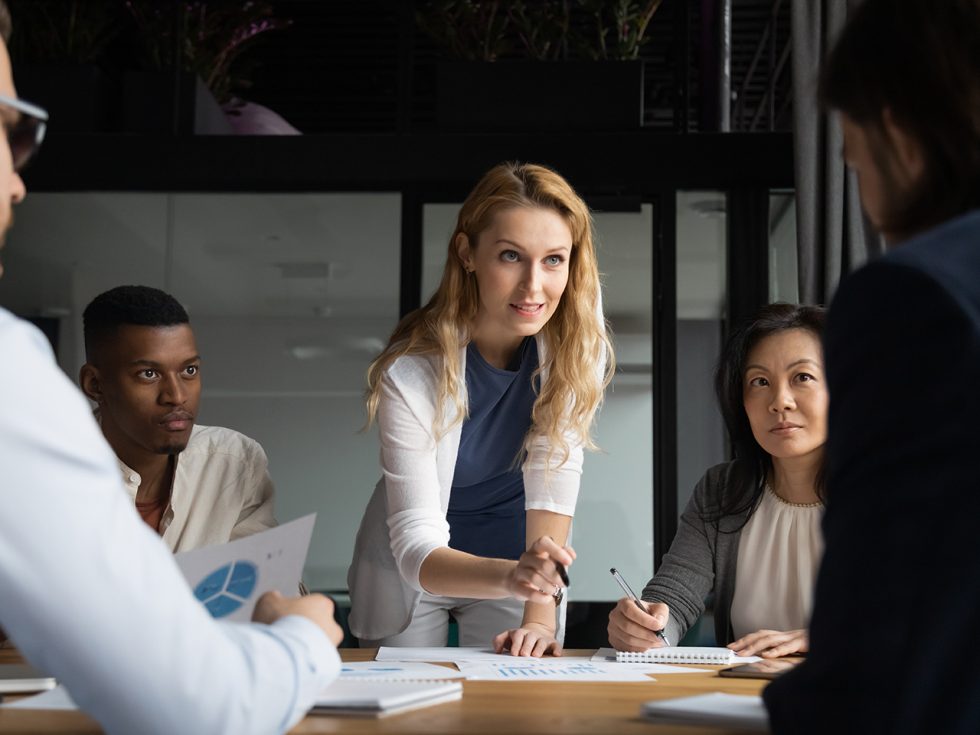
(558, 595)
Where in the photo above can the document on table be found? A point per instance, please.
(383, 698)
(443, 653)
(562, 668)
(395, 671)
(715, 709)
(548, 669)
(608, 655)
(229, 578)
(55, 699)
(24, 679)
(455, 655)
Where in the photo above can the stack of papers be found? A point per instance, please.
(379, 699)
(23, 679)
(715, 709)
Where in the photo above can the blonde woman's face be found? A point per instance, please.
(520, 263)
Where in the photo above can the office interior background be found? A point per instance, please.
(297, 196)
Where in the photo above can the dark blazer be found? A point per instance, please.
(895, 633)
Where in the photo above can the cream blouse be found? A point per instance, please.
(779, 553)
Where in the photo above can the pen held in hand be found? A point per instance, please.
(636, 600)
(563, 574)
(559, 593)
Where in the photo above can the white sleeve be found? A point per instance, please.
(93, 596)
(548, 485)
(417, 524)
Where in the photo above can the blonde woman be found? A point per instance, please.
(484, 400)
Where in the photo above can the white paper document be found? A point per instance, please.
(608, 655)
(24, 679)
(715, 709)
(380, 698)
(443, 653)
(396, 671)
(229, 578)
(549, 669)
(55, 699)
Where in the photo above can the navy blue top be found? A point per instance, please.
(486, 507)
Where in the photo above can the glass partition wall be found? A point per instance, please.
(701, 312)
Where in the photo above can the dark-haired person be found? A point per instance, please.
(751, 531)
(897, 606)
(194, 485)
(89, 594)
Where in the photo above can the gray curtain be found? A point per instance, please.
(833, 237)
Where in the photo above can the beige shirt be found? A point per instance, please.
(222, 490)
(778, 556)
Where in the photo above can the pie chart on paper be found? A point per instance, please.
(228, 588)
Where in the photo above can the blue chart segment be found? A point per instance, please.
(536, 671)
(226, 589)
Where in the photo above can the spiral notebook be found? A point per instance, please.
(684, 655)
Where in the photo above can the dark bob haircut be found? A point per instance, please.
(920, 60)
(752, 464)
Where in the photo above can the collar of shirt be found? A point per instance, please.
(131, 480)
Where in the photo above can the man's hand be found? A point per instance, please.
(318, 608)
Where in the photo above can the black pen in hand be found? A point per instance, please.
(559, 594)
(632, 595)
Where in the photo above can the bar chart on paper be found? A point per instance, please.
(548, 670)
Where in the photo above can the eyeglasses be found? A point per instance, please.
(25, 125)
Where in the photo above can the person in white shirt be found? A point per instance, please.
(195, 485)
(484, 400)
(90, 594)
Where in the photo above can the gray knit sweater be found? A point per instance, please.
(701, 560)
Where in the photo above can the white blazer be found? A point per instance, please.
(405, 519)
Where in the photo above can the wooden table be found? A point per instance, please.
(500, 708)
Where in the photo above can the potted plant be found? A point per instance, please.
(57, 47)
(530, 65)
(210, 42)
(619, 28)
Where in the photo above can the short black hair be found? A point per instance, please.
(140, 305)
(919, 59)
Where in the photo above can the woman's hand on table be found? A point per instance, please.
(531, 639)
(772, 643)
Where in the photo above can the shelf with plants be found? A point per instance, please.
(540, 64)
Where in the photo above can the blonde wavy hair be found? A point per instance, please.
(578, 357)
